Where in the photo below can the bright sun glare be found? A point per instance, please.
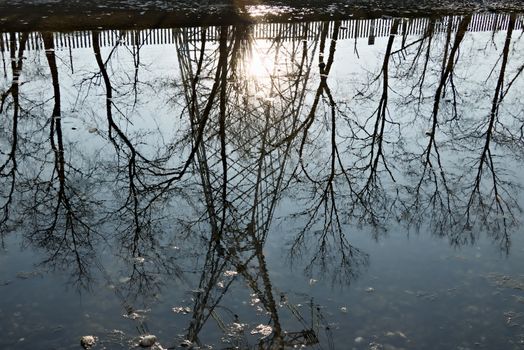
(260, 65)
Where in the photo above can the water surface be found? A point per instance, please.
(328, 185)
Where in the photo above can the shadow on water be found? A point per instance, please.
(178, 159)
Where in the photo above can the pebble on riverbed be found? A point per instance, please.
(87, 341)
(147, 341)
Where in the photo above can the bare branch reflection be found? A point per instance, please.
(226, 147)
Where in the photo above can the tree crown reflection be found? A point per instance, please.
(233, 139)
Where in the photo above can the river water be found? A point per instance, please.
(348, 184)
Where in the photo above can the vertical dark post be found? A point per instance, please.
(371, 37)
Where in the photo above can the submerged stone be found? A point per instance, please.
(147, 341)
(181, 310)
(186, 343)
(87, 341)
(124, 279)
(262, 329)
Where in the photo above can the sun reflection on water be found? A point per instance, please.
(264, 10)
(259, 65)
(258, 71)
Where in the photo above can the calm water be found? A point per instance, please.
(329, 185)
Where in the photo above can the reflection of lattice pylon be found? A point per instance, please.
(259, 110)
(256, 112)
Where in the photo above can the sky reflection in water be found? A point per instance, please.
(349, 184)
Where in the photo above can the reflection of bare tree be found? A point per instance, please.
(457, 208)
(138, 228)
(499, 199)
(122, 144)
(134, 172)
(441, 197)
(246, 141)
(8, 167)
(323, 208)
(61, 208)
(370, 156)
(455, 204)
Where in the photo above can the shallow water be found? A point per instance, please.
(350, 184)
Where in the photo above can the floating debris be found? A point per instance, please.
(147, 341)
(426, 295)
(88, 341)
(312, 281)
(181, 310)
(397, 333)
(370, 290)
(124, 279)
(504, 281)
(518, 299)
(230, 273)
(402, 335)
(28, 274)
(139, 259)
(511, 316)
(186, 343)
(375, 346)
(135, 315)
(344, 309)
(236, 328)
(262, 329)
(359, 340)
